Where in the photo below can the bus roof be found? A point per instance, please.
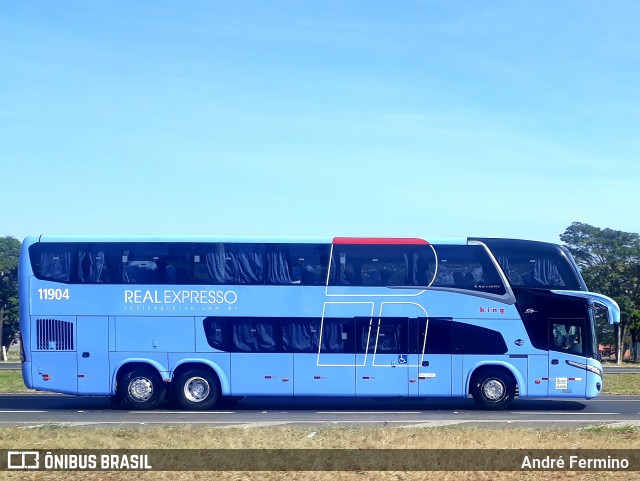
(244, 239)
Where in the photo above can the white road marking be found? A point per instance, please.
(21, 411)
(369, 412)
(138, 413)
(563, 414)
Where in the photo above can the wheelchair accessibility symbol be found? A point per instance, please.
(402, 358)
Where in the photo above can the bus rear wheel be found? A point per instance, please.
(196, 389)
(141, 388)
(493, 389)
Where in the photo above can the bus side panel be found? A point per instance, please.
(436, 374)
(337, 378)
(538, 375)
(261, 374)
(155, 334)
(53, 354)
(567, 375)
(92, 337)
(55, 371)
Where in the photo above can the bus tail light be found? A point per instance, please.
(46, 377)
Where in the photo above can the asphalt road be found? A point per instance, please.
(8, 366)
(30, 410)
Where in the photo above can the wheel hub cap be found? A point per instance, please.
(493, 390)
(196, 389)
(141, 389)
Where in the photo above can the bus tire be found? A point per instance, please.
(141, 388)
(493, 389)
(196, 389)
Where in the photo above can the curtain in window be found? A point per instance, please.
(56, 266)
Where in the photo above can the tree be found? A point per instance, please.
(610, 264)
(9, 318)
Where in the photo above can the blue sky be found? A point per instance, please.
(421, 118)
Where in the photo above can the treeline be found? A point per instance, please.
(608, 259)
(9, 320)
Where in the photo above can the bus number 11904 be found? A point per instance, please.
(53, 294)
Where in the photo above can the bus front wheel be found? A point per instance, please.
(493, 389)
(141, 389)
(196, 389)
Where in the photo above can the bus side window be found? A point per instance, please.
(566, 338)
(228, 263)
(54, 261)
(218, 332)
(278, 267)
(95, 264)
(256, 334)
(338, 335)
(300, 334)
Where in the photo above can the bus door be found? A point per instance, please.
(567, 365)
(388, 354)
(383, 361)
(92, 336)
(435, 371)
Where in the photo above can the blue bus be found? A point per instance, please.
(197, 320)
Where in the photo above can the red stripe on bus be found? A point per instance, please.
(380, 240)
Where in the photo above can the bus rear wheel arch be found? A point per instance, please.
(196, 388)
(140, 387)
(493, 387)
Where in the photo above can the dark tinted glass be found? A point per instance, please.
(534, 264)
(301, 334)
(388, 335)
(97, 264)
(302, 264)
(155, 263)
(261, 334)
(467, 267)
(568, 335)
(53, 262)
(470, 339)
(382, 265)
(228, 263)
(438, 335)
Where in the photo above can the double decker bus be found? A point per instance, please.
(196, 320)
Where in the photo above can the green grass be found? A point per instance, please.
(621, 384)
(607, 429)
(11, 381)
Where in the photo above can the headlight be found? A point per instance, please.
(594, 370)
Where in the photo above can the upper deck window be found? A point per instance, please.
(380, 265)
(467, 267)
(450, 266)
(53, 262)
(534, 264)
(155, 263)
